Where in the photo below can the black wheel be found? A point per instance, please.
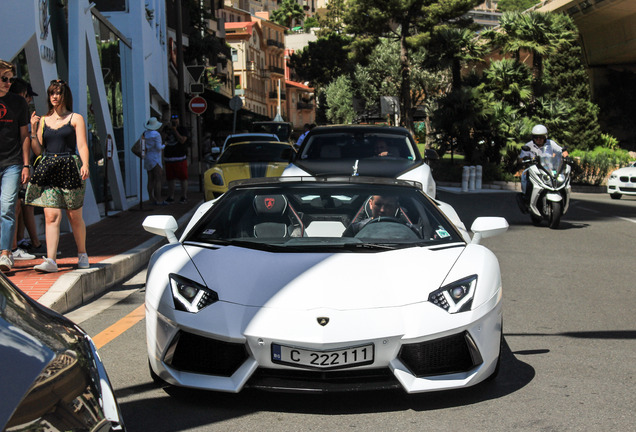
(555, 215)
(615, 196)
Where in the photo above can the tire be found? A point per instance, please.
(615, 196)
(555, 215)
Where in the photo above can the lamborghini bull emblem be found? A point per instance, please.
(269, 203)
(323, 321)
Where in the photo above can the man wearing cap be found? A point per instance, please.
(15, 146)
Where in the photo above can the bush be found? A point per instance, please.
(592, 167)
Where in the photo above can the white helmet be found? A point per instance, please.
(540, 130)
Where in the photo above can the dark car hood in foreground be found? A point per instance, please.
(380, 167)
(51, 376)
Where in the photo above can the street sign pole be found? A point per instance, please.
(235, 105)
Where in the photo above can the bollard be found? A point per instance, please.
(465, 175)
(471, 178)
(478, 175)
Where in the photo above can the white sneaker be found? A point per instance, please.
(82, 261)
(47, 266)
(20, 255)
(5, 263)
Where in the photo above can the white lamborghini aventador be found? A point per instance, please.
(324, 284)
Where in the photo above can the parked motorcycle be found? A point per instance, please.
(549, 177)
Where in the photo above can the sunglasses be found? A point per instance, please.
(57, 81)
(7, 80)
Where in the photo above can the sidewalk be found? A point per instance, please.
(117, 246)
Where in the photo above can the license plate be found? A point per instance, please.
(332, 359)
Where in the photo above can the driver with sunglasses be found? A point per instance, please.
(15, 148)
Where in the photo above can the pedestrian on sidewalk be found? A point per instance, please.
(152, 161)
(59, 180)
(14, 158)
(175, 156)
(24, 215)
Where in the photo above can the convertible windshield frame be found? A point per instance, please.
(324, 216)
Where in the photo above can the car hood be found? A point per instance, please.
(379, 167)
(243, 170)
(627, 171)
(342, 281)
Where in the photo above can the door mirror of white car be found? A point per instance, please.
(164, 226)
(485, 227)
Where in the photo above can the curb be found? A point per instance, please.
(78, 287)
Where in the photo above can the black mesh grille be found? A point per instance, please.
(451, 354)
(199, 354)
(323, 381)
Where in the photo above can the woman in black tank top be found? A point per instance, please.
(59, 180)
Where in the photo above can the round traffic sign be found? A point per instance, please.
(198, 105)
(236, 103)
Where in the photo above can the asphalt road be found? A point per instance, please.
(568, 357)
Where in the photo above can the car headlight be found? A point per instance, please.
(217, 179)
(190, 296)
(457, 296)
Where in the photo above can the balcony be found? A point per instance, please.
(304, 106)
(275, 43)
(277, 70)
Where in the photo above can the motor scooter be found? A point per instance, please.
(548, 174)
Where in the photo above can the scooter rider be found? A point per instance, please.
(535, 148)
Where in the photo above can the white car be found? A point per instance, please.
(362, 150)
(319, 284)
(622, 182)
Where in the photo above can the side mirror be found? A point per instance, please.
(489, 226)
(216, 151)
(164, 226)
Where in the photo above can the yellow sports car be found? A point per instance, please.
(244, 160)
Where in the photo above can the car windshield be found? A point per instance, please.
(255, 152)
(358, 145)
(312, 216)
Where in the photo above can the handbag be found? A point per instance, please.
(136, 148)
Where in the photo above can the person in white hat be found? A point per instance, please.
(152, 161)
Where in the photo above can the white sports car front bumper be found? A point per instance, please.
(418, 347)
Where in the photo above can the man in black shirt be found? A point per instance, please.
(15, 148)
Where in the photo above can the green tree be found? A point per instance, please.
(287, 12)
(339, 98)
(453, 47)
(568, 81)
(515, 5)
(332, 22)
(539, 34)
(320, 62)
(409, 22)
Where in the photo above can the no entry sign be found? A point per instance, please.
(198, 105)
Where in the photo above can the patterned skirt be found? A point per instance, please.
(57, 183)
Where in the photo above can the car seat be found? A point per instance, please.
(274, 217)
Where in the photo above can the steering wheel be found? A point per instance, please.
(385, 219)
(394, 229)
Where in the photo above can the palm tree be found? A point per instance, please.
(452, 48)
(287, 12)
(539, 34)
(508, 81)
